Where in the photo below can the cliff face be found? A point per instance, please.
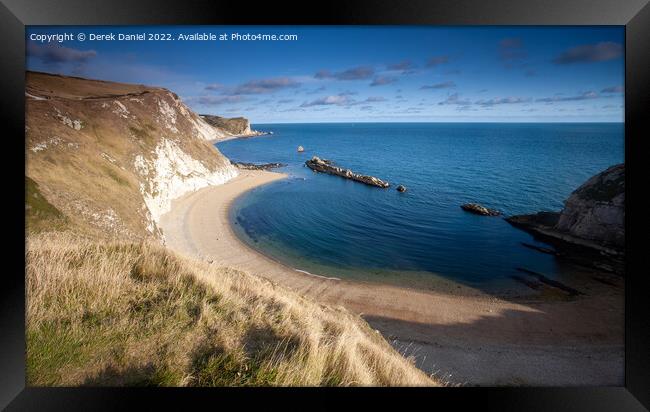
(593, 215)
(596, 210)
(111, 156)
(235, 126)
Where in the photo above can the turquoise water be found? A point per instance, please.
(329, 225)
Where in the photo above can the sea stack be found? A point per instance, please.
(301, 149)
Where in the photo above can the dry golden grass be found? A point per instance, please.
(57, 86)
(119, 313)
(113, 312)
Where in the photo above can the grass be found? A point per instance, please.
(120, 313)
(112, 312)
(143, 134)
(115, 175)
(40, 214)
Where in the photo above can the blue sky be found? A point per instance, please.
(373, 73)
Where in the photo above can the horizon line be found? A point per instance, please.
(444, 122)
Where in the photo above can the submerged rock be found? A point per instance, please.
(401, 188)
(479, 210)
(325, 166)
(593, 215)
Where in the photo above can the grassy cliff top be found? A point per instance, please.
(122, 313)
(57, 86)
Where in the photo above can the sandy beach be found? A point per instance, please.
(461, 334)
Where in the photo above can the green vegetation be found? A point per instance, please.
(144, 133)
(39, 213)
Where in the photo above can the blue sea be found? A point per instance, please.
(331, 226)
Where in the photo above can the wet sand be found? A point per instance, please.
(461, 334)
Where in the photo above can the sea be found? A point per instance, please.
(330, 226)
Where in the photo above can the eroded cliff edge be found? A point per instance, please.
(593, 215)
(231, 127)
(111, 157)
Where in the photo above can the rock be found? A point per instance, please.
(301, 149)
(596, 210)
(593, 215)
(479, 210)
(546, 219)
(401, 188)
(325, 166)
(262, 166)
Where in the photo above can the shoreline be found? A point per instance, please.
(468, 336)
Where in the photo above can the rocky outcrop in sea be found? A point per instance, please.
(479, 210)
(593, 215)
(261, 166)
(326, 166)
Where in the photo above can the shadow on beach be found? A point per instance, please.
(556, 347)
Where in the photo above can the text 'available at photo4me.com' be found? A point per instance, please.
(159, 36)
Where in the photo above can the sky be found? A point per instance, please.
(357, 73)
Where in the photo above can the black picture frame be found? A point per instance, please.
(633, 14)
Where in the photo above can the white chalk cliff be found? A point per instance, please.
(137, 148)
(171, 173)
